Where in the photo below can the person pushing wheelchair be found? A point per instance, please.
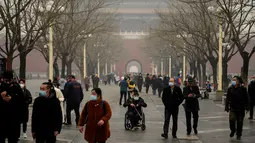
(135, 104)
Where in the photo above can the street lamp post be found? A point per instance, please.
(170, 67)
(98, 65)
(162, 67)
(85, 57)
(106, 71)
(184, 68)
(48, 9)
(219, 93)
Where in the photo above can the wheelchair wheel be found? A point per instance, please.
(127, 125)
(143, 119)
(143, 127)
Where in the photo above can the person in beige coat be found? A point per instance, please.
(61, 99)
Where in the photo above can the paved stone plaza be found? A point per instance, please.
(213, 122)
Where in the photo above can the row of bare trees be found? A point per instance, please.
(25, 27)
(192, 29)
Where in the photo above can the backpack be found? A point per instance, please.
(86, 110)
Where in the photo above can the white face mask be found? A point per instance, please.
(22, 85)
(136, 98)
(171, 84)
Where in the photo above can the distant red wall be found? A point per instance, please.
(132, 50)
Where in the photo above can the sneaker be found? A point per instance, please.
(232, 134)
(250, 118)
(238, 137)
(174, 136)
(164, 136)
(24, 135)
(188, 134)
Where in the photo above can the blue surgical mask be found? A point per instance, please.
(93, 97)
(171, 84)
(42, 93)
(233, 83)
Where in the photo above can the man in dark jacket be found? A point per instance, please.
(47, 115)
(237, 102)
(160, 86)
(140, 82)
(74, 96)
(11, 103)
(134, 102)
(251, 91)
(191, 94)
(123, 90)
(172, 97)
(147, 83)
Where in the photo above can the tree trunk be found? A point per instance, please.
(191, 64)
(9, 61)
(63, 65)
(55, 66)
(214, 69)
(245, 68)
(204, 78)
(195, 69)
(69, 68)
(199, 72)
(23, 65)
(225, 74)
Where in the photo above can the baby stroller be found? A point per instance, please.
(141, 121)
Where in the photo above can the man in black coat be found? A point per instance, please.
(47, 115)
(11, 103)
(237, 102)
(147, 83)
(172, 97)
(140, 82)
(251, 91)
(74, 96)
(191, 94)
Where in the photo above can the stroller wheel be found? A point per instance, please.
(143, 127)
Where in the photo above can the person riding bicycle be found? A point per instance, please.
(135, 104)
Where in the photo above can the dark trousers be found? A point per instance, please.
(24, 127)
(121, 96)
(87, 87)
(105, 82)
(236, 117)
(69, 108)
(128, 94)
(251, 109)
(47, 139)
(159, 92)
(10, 132)
(147, 88)
(188, 120)
(154, 92)
(134, 118)
(140, 86)
(168, 114)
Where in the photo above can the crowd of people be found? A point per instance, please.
(48, 114)
(57, 98)
(173, 92)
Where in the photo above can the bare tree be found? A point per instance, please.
(84, 18)
(26, 28)
(198, 28)
(240, 16)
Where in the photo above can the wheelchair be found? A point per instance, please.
(141, 122)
